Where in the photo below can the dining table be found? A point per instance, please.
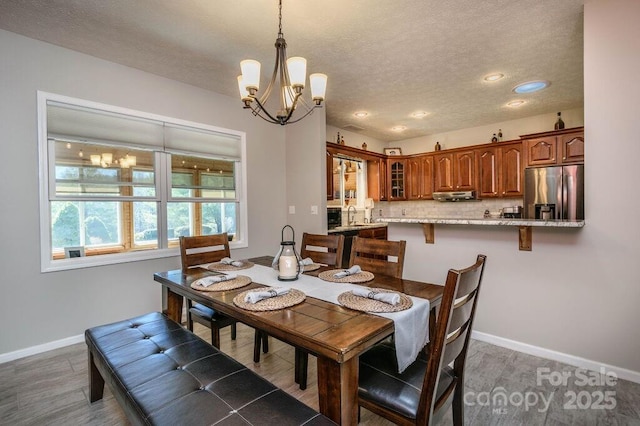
(334, 333)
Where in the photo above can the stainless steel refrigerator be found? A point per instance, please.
(554, 193)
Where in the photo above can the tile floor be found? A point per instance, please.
(503, 387)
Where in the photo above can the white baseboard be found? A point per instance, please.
(34, 350)
(622, 373)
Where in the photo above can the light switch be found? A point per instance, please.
(292, 209)
(314, 209)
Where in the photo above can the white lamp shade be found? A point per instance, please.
(131, 159)
(250, 74)
(288, 97)
(297, 68)
(95, 159)
(318, 86)
(124, 163)
(107, 157)
(244, 93)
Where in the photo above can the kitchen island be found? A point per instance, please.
(377, 230)
(525, 226)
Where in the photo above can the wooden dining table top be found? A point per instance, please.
(322, 328)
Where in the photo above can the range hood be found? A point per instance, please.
(455, 196)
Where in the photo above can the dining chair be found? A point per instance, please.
(421, 394)
(323, 249)
(382, 257)
(199, 250)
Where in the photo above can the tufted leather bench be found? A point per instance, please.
(162, 374)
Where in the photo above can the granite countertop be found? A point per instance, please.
(485, 222)
(358, 226)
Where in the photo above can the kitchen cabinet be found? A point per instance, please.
(500, 170)
(455, 171)
(554, 148)
(377, 179)
(419, 177)
(329, 166)
(396, 181)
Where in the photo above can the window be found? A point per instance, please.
(121, 185)
(349, 182)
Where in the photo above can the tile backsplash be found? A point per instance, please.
(438, 209)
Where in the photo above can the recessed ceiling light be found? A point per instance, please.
(493, 77)
(515, 103)
(361, 114)
(419, 114)
(399, 128)
(531, 86)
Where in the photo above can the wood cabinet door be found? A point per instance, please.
(419, 178)
(414, 179)
(443, 172)
(487, 172)
(464, 171)
(377, 180)
(329, 165)
(571, 147)
(511, 169)
(542, 151)
(396, 181)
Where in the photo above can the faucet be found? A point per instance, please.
(349, 220)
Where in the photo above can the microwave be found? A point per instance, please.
(334, 217)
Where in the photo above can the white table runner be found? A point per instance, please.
(411, 325)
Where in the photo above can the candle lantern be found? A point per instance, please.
(287, 261)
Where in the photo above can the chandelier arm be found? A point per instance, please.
(307, 113)
(264, 110)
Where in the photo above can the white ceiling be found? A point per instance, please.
(390, 58)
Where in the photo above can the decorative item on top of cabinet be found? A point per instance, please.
(437, 147)
(420, 177)
(364, 146)
(557, 147)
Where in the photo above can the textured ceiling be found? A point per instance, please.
(390, 58)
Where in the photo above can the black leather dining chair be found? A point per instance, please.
(421, 394)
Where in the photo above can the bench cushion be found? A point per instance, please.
(162, 374)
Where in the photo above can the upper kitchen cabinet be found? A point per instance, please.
(455, 171)
(557, 147)
(420, 177)
(377, 179)
(329, 165)
(397, 179)
(500, 170)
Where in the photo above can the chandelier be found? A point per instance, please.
(288, 79)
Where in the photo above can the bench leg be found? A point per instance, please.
(96, 382)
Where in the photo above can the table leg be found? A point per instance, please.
(338, 390)
(174, 306)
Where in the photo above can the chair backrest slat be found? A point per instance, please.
(377, 256)
(203, 249)
(453, 329)
(325, 249)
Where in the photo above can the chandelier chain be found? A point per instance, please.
(280, 19)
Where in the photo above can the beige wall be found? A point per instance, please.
(575, 296)
(37, 309)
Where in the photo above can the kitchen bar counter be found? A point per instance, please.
(485, 222)
(357, 227)
(525, 226)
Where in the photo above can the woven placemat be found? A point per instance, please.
(239, 281)
(271, 304)
(365, 304)
(223, 267)
(360, 277)
(312, 267)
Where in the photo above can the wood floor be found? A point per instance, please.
(51, 388)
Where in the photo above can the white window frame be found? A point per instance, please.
(163, 186)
